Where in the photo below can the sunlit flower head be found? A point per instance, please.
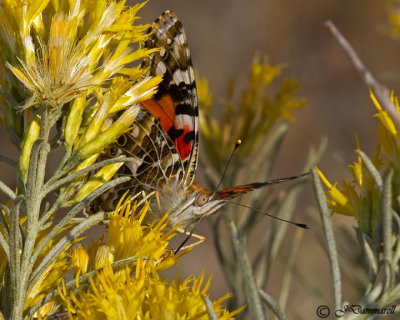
(142, 294)
(60, 49)
(361, 197)
(136, 291)
(128, 237)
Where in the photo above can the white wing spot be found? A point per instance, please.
(181, 76)
(181, 39)
(183, 119)
(163, 52)
(161, 68)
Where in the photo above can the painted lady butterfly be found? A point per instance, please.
(165, 136)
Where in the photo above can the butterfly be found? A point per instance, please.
(165, 136)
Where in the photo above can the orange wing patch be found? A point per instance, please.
(163, 110)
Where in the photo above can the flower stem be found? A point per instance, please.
(253, 297)
(33, 200)
(330, 237)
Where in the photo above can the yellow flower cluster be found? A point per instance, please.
(77, 54)
(256, 113)
(63, 48)
(127, 237)
(135, 292)
(140, 293)
(361, 197)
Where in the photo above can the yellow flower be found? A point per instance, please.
(253, 116)
(337, 200)
(79, 259)
(142, 294)
(386, 121)
(95, 181)
(136, 291)
(128, 237)
(99, 142)
(79, 46)
(31, 135)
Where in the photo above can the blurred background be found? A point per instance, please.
(223, 37)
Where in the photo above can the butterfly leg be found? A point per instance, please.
(189, 235)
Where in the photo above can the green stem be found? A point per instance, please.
(330, 237)
(272, 305)
(62, 245)
(251, 289)
(57, 184)
(8, 160)
(7, 191)
(210, 308)
(64, 221)
(17, 294)
(37, 167)
(387, 228)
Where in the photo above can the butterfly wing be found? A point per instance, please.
(175, 104)
(164, 138)
(165, 134)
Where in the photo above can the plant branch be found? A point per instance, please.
(7, 191)
(210, 308)
(51, 187)
(8, 160)
(72, 213)
(63, 244)
(381, 92)
(371, 168)
(17, 292)
(272, 305)
(387, 228)
(253, 297)
(330, 238)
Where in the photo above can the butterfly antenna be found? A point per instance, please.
(237, 144)
(300, 225)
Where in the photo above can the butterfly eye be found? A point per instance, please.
(122, 140)
(112, 152)
(202, 199)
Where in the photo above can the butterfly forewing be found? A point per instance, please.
(175, 104)
(164, 138)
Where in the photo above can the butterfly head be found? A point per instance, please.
(188, 205)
